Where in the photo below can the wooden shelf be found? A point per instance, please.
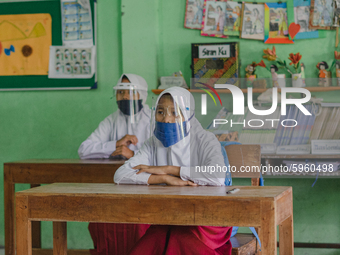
(305, 156)
(311, 89)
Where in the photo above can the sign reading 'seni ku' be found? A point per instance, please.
(213, 51)
(238, 105)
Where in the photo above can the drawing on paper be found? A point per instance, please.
(25, 40)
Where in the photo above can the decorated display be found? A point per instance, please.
(217, 61)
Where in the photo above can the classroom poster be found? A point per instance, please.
(67, 62)
(233, 18)
(276, 23)
(321, 14)
(252, 26)
(213, 19)
(76, 23)
(24, 44)
(194, 14)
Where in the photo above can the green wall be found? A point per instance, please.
(148, 38)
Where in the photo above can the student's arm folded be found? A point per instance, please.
(127, 175)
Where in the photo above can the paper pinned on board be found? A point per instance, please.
(69, 62)
(24, 44)
(76, 18)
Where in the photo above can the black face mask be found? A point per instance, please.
(124, 106)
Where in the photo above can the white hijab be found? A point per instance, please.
(199, 148)
(102, 142)
(123, 124)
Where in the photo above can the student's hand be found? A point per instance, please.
(173, 170)
(176, 181)
(127, 140)
(124, 151)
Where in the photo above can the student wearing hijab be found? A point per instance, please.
(169, 156)
(123, 132)
(120, 136)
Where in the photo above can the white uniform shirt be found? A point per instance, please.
(102, 142)
(200, 149)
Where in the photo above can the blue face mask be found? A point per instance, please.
(124, 106)
(170, 133)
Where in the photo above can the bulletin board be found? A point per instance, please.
(42, 82)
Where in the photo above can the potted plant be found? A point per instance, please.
(297, 80)
(279, 79)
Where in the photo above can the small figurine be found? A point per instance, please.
(337, 66)
(337, 72)
(324, 75)
(275, 77)
(273, 70)
(303, 76)
(250, 73)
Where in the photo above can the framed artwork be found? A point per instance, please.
(193, 14)
(232, 18)
(299, 13)
(276, 23)
(321, 14)
(336, 13)
(213, 19)
(252, 21)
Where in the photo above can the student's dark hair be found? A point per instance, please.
(125, 77)
(275, 67)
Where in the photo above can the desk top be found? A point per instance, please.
(67, 161)
(154, 191)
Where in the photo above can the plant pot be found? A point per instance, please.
(338, 76)
(297, 81)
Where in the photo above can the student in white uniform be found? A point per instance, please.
(179, 144)
(120, 135)
(123, 132)
(170, 156)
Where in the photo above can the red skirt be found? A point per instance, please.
(185, 240)
(111, 238)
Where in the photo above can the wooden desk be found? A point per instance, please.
(36, 172)
(262, 207)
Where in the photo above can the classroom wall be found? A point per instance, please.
(150, 40)
(52, 124)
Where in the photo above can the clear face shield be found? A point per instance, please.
(168, 119)
(128, 100)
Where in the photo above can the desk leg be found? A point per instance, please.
(23, 227)
(59, 238)
(286, 236)
(9, 212)
(268, 235)
(36, 229)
